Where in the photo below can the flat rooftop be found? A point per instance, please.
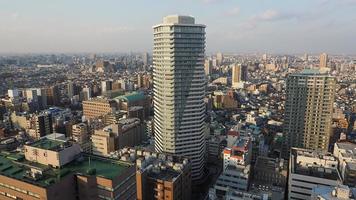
(314, 169)
(14, 165)
(48, 144)
(165, 175)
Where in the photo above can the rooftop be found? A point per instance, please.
(314, 163)
(131, 97)
(15, 166)
(48, 144)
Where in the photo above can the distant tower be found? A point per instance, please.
(323, 60)
(308, 109)
(145, 60)
(219, 58)
(236, 75)
(70, 89)
(239, 74)
(179, 89)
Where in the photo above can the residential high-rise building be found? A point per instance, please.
(70, 89)
(179, 89)
(53, 95)
(308, 109)
(236, 75)
(323, 60)
(239, 75)
(42, 98)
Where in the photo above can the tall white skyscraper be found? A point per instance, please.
(179, 89)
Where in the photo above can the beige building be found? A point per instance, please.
(308, 109)
(125, 133)
(239, 75)
(80, 134)
(98, 107)
(55, 153)
(345, 152)
(63, 173)
(323, 60)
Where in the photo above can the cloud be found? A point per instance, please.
(234, 11)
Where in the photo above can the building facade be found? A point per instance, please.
(179, 89)
(308, 109)
(308, 169)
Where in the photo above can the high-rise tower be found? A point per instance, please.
(179, 89)
(308, 109)
(323, 60)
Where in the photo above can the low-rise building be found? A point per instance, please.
(53, 169)
(236, 168)
(125, 133)
(309, 168)
(345, 152)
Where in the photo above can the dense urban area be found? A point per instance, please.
(177, 123)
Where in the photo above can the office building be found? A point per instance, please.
(179, 89)
(308, 109)
(55, 169)
(345, 152)
(97, 107)
(308, 169)
(125, 133)
(323, 60)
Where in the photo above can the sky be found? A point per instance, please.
(233, 26)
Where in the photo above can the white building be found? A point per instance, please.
(236, 169)
(308, 169)
(345, 152)
(179, 89)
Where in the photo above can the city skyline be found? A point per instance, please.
(232, 26)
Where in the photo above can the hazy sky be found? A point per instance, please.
(272, 26)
